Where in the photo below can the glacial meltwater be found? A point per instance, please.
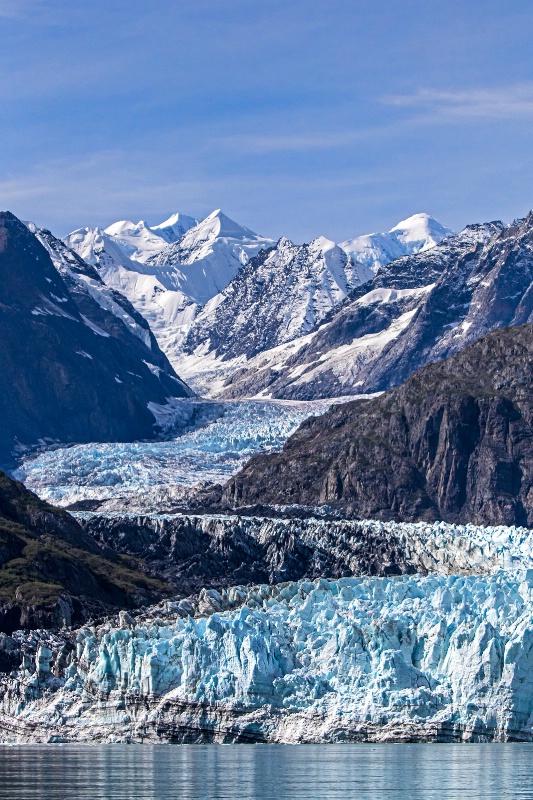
(267, 772)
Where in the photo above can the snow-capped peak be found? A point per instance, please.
(413, 235)
(283, 243)
(220, 245)
(139, 241)
(322, 244)
(219, 226)
(421, 228)
(175, 226)
(124, 227)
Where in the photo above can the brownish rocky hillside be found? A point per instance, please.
(455, 442)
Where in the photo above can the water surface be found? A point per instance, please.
(266, 772)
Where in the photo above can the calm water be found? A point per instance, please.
(265, 772)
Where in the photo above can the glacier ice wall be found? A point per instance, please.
(408, 658)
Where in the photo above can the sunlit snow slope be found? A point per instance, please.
(211, 296)
(168, 271)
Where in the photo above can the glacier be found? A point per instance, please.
(409, 658)
(290, 547)
(210, 452)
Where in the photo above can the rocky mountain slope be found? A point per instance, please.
(373, 340)
(455, 442)
(52, 573)
(78, 363)
(279, 295)
(284, 293)
(214, 301)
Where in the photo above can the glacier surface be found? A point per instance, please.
(210, 453)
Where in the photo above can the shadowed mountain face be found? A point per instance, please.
(77, 363)
(52, 573)
(455, 442)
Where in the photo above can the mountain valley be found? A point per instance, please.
(292, 484)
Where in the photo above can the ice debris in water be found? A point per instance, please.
(211, 453)
(311, 661)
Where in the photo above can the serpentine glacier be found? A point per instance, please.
(222, 437)
(440, 657)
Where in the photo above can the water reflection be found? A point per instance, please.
(266, 772)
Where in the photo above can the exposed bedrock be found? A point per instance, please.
(454, 442)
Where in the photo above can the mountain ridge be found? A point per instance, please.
(454, 442)
(193, 289)
(78, 362)
(353, 349)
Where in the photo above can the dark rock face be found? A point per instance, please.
(52, 573)
(455, 442)
(197, 552)
(116, 315)
(278, 295)
(75, 366)
(489, 288)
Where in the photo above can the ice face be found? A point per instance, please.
(211, 453)
(304, 661)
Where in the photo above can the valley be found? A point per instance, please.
(266, 492)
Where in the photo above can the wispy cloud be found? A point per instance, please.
(504, 102)
(64, 193)
(297, 142)
(13, 9)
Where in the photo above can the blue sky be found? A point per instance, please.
(300, 118)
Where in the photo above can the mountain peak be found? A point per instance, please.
(322, 244)
(123, 226)
(415, 219)
(421, 228)
(175, 226)
(219, 225)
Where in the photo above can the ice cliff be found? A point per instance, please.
(441, 657)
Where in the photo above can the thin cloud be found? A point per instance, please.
(507, 102)
(301, 142)
(290, 142)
